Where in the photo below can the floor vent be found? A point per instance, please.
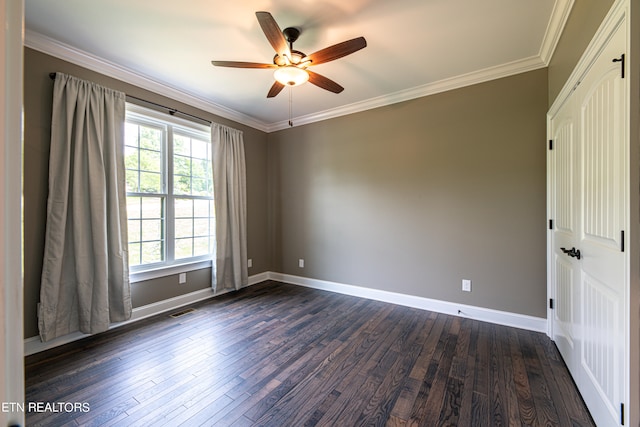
(183, 312)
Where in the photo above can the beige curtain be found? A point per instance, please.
(229, 187)
(85, 274)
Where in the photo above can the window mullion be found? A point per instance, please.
(138, 152)
(170, 205)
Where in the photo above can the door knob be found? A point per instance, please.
(573, 252)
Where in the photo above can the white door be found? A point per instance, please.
(11, 318)
(565, 230)
(589, 205)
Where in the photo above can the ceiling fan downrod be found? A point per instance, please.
(291, 34)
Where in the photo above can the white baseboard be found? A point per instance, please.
(258, 278)
(35, 345)
(537, 324)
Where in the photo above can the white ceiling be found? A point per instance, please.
(415, 47)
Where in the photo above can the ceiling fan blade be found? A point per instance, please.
(337, 51)
(275, 89)
(273, 33)
(238, 64)
(323, 82)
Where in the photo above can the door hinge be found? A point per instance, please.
(550, 224)
(551, 144)
(622, 414)
(551, 303)
(621, 61)
(622, 241)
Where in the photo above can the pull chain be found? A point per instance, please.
(290, 106)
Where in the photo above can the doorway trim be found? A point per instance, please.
(11, 293)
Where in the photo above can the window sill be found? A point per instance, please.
(140, 276)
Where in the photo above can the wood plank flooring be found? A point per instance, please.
(282, 355)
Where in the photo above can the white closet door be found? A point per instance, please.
(603, 208)
(588, 265)
(565, 196)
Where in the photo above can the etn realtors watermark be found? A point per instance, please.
(53, 407)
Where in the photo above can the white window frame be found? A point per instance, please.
(170, 265)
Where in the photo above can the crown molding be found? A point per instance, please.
(559, 16)
(49, 46)
(481, 76)
(557, 21)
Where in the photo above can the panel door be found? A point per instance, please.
(602, 267)
(588, 265)
(565, 191)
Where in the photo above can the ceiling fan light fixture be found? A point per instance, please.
(291, 75)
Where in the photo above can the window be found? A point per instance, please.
(170, 204)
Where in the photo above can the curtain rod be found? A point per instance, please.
(171, 111)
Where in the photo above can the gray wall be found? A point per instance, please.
(38, 89)
(584, 20)
(416, 196)
(408, 198)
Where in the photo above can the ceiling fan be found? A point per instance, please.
(291, 66)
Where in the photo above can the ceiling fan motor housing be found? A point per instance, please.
(291, 34)
(296, 59)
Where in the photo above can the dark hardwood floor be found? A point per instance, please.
(282, 355)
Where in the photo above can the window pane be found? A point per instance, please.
(200, 187)
(201, 208)
(181, 145)
(150, 138)
(132, 181)
(184, 228)
(131, 158)
(181, 184)
(199, 149)
(181, 165)
(201, 227)
(133, 207)
(150, 182)
(152, 207)
(150, 161)
(131, 165)
(200, 168)
(184, 248)
(151, 229)
(134, 230)
(134, 254)
(200, 246)
(151, 252)
(131, 134)
(183, 207)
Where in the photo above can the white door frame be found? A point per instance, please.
(11, 283)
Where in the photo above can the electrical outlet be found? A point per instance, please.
(466, 285)
(301, 263)
(182, 278)
(249, 263)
